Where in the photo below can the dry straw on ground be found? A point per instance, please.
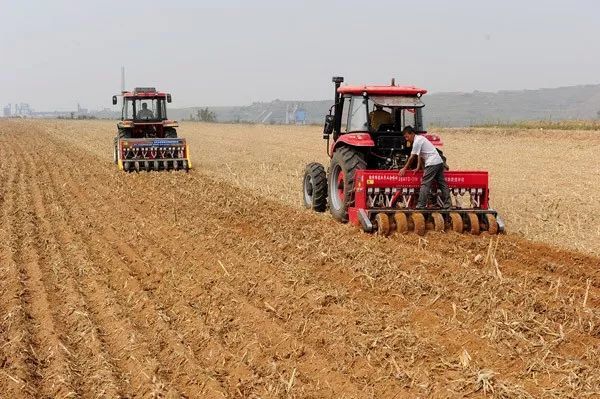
(245, 295)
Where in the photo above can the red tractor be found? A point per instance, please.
(362, 184)
(146, 138)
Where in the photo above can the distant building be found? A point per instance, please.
(81, 111)
(300, 116)
(294, 114)
(7, 111)
(23, 109)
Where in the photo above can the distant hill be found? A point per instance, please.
(460, 109)
(261, 112)
(444, 109)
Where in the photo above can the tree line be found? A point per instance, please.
(204, 115)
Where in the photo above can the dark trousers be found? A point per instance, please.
(431, 174)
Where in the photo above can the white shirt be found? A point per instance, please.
(423, 148)
(145, 114)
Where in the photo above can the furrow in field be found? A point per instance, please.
(79, 334)
(418, 310)
(51, 366)
(468, 301)
(339, 294)
(173, 370)
(145, 273)
(17, 378)
(523, 324)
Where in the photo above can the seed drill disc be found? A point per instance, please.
(492, 225)
(473, 224)
(401, 222)
(418, 221)
(456, 222)
(438, 221)
(383, 224)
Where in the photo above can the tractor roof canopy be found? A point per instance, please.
(144, 92)
(382, 90)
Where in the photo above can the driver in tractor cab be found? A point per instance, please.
(379, 117)
(145, 113)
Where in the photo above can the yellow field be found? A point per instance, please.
(218, 284)
(544, 184)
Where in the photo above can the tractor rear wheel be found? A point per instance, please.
(344, 164)
(314, 187)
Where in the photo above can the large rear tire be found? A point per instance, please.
(314, 187)
(344, 164)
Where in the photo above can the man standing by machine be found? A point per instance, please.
(423, 150)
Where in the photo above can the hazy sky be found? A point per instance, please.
(54, 54)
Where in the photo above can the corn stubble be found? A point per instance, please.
(217, 284)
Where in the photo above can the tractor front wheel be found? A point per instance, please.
(314, 187)
(344, 164)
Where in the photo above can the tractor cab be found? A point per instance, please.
(144, 114)
(375, 109)
(372, 118)
(144, 98)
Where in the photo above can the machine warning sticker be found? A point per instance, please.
(393, 178)
(455, 179)
(165, 142)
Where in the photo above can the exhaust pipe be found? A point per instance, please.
(337, 80)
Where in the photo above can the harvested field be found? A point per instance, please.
(216, 284)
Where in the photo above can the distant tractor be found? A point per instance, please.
(146, 138)
(362, 184)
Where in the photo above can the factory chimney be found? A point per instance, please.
(122, 79)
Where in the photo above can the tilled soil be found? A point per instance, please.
(186, 285)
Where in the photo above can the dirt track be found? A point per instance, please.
(185, 285)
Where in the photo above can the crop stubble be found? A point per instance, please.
(214, 284)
